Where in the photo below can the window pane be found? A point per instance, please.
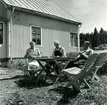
(38, 41)
(76, 40)
(1, 33)
(36, 35)
(33, 29)
(33, 38)
(73, 39)
(39, 31)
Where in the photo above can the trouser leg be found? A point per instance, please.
(70, 64)
(47, 69)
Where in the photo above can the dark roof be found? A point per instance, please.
(48, 7)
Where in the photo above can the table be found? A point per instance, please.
(56, 61)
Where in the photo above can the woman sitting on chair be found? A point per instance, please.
(31, 54)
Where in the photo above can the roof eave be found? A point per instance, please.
(6, 5)
(45, 15)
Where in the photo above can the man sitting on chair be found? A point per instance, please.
(87, 51)
(59, 51)
(83, 55)
(31, 54)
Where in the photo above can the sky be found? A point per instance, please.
(92, 13)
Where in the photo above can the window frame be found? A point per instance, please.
(3, 32)
(74, 45)
(31, 33)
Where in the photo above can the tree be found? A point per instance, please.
(101, 36)
(82, 38)
(95, 39)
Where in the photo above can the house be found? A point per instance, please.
(42, 21)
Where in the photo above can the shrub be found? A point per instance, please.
(103, 69)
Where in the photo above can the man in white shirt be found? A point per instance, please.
(87, 51)
(83, 55)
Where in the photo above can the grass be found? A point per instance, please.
(24, 91)
(47, 94)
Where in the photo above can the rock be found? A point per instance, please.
(92, 103)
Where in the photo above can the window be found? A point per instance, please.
(73, 39)
(1, 33)
(36, 35)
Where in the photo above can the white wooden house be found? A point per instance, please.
(40, 20)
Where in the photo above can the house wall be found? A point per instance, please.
(3, 47)
(51, 30)
(3, 12)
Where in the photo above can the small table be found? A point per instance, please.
(47, 60)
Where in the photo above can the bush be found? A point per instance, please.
(103, 69)
(15, 64)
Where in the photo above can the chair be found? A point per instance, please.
(98, 64)
(77, 75)
(72, 54)
(73, 60)
(32, 71)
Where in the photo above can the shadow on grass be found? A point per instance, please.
(67, 95)
(10, 78)
(27, 81)
(30, 82)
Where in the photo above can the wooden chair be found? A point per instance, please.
(32, 72)
(98, 64)
(77, 75)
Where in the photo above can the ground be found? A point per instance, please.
(18, 90)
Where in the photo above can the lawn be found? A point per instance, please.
(20, 90)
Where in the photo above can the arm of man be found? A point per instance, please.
(90, 52)
(87, 53)
(84, 55)
(63, 52)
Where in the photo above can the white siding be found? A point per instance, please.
(51, 30)
(19, 40)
